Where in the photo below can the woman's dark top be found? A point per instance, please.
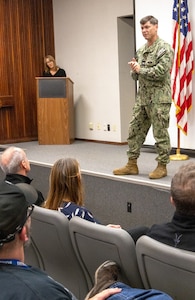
(71, 209)
(60, 73)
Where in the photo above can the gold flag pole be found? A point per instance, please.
(178, 155)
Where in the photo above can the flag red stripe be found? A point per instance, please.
(183, 65)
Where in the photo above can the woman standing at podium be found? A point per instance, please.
(51, 69)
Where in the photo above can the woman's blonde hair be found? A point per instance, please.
(65, 184)
(51, 58)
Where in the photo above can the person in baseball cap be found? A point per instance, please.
(17, 279)
(16, 205)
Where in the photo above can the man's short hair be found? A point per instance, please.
(183, 189)
(150, 19)
(14, 157)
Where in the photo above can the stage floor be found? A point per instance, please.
(100, 159)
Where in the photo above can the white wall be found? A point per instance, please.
(86, 45)
(162, 10)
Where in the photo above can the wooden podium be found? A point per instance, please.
(55, 110)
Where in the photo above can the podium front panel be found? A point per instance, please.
(55, 110)
(48, 88)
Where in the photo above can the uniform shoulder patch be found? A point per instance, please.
(161, 52)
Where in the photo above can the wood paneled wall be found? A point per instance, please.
(26, 36)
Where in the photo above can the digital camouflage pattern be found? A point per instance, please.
(153, 100)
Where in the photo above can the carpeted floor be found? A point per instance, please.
(101, 159)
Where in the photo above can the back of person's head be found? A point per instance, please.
(183, 189)
(16, 205)
(150, 19)
(11, 160)
(64, 183)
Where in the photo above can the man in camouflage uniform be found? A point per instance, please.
(151, 66)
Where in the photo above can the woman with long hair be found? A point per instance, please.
(66, 190)
(51, 69)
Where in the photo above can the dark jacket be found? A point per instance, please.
(17, 178)
(22, 283)
(179, 233)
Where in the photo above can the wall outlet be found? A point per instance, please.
(98, 126)
(90, 126)
(114, 127)
(129, 207)
(105, 127)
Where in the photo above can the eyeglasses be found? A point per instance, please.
(29, 212)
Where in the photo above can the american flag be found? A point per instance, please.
(183, 64)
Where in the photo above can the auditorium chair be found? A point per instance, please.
(95, 243)
(32, 255)
(52, 250)
(166, 268)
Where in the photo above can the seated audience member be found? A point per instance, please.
(180, 231)
(19, 281)
(51, 69)
(66, 191)
(108, 275)
(136, 232)
(15, 165)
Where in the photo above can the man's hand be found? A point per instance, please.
(114, 225)
(106, 293)
(135, 67)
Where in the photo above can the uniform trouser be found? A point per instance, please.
(144, 116)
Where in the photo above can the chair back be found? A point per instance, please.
(95, 243)
(52, 250)
(32, 256)
(166, 268)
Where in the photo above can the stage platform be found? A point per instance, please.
(107, 195)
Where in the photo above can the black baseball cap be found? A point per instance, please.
(15, 199)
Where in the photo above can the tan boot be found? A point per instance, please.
(130, 168)
(159, 172)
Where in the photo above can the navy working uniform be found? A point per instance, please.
(153, 100)
(151, 67)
